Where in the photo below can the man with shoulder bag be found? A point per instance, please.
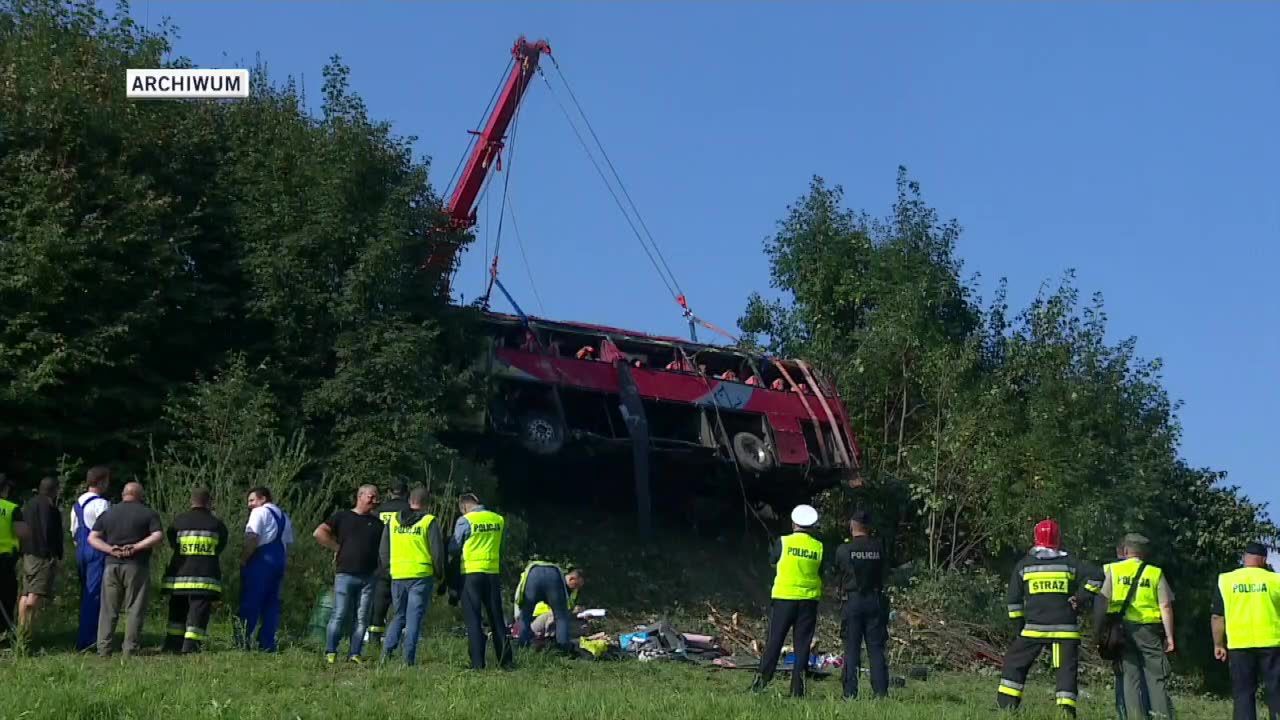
(1137, 629)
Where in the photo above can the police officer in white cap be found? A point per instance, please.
(797, 587)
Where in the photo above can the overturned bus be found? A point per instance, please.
(561, 388)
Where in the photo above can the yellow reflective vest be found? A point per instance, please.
(410, 548)
(8, 537)
(798, 574)
(1251, 607)
(482, 551)
(1145, 608)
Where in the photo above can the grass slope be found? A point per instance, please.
(224, 683)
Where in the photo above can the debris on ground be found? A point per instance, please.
(926, 639)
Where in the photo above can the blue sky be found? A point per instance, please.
(1136, 143)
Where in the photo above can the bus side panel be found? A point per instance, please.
(788, 440)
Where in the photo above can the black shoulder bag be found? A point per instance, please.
(1111, 634)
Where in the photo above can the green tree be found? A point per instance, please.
(146, 244)
(989, 422)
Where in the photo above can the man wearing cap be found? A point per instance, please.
(1102, 606)
(1046, 587)
(1148, 625)
(797, 587)
(861, 566)
(1246, 631)
(389, 509)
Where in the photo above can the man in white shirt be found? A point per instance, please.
(89, 561)
(267, 536)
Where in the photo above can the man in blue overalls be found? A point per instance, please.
(267, 537)
(89, 561)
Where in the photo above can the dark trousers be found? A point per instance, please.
(8, 592)
(545, 584)
(1022, 655)
(482, 595)
(866, 619)
(1248, 666)
(188, 622)
(785, 616)
(381, 606)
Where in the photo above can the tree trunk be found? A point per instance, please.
(902, 419)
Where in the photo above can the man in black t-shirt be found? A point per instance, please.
(41, 552)
(126, 532)
(354, 536)
(861, 566)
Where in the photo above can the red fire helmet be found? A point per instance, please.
(1048, 534)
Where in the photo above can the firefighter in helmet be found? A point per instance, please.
(1046, 591)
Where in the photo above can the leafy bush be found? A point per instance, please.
(227, 439)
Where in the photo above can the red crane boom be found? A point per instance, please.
(487, 151)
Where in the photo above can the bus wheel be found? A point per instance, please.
(541, 434)
(752, 452)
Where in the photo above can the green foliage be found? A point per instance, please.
(143, 245)
(988, 422)
(227, 438)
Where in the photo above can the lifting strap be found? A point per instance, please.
(841, 454)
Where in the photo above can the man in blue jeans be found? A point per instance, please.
(546, 588)
(354, 536)
(412, 551)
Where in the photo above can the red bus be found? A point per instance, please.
(562, 387)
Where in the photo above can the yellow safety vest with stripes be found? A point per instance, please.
(482, 551)
(798, 575)
(8, 537)
(1251, 607)
(1144, 609)
(410, 548)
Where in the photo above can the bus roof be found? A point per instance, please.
(616, 333)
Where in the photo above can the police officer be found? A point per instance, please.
(1246, 631)
(413, 552)
(1045, 590)
(12, 528)
(382, 580)
(477, 546)
(1148, 622)
(546, 588)
(194, 576)
(861, 564)
(797, 587)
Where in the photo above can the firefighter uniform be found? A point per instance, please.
(1040, 592)
(797, 587)
(193, 578)
(478, 542)
(1248, 600)
(382, 582)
